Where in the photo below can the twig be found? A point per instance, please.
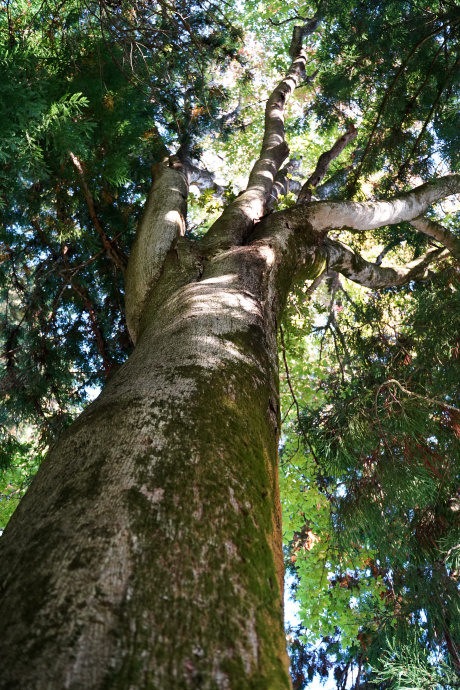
(416, 395)
(113, 251)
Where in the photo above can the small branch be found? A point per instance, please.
(315, 284)
(385, 251)
(286, 21)
(337, 351)
(294, 398)
(282, 184)
(434, 105)
(288, 379)
(113, 252)
(416, 395)
(323, 164)
(201, 178)
(453, 651)
(89, 307)
(288, 376)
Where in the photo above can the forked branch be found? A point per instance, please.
(239, 217)
(344, 260)
(323, 164)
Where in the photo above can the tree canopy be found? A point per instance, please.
(92, 94)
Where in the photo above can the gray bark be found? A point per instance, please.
(147, 552)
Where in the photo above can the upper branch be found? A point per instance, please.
(368, 215)
(238, 218)
(323, 164)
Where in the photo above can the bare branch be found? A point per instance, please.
(323, 164)
(416, 395)
(315, 285)
(239, 217)
(385, 251)
(286, 21)
(353, 266)
(368, 215)
(439, 233)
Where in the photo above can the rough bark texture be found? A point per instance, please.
(152, 531)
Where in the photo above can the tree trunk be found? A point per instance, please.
(147, 551)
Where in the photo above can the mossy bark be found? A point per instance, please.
(147, 552)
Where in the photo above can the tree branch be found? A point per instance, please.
(353, 266)
(162, 222)
(112, 250)
(387, 95)
(283, 184)
(201, 178)
(323, 164)
(107, 363)
(385, 251)
(416, 395)
(368, 215)
(239, 217)
(439, 233)
(315, 285)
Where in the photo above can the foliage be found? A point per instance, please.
(383, 450)
(81, 129)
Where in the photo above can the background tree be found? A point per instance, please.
(160, 505)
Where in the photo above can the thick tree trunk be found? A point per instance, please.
(147, 552)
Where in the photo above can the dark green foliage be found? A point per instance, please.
(396, 66)
(387, 440)
(91, 94)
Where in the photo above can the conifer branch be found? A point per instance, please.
(113, 252)
(416, 395)
(387, 95)
(95, 327)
